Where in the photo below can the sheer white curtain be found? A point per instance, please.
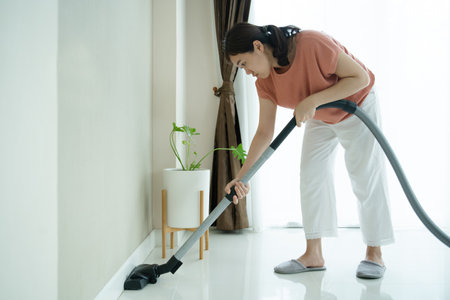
(407, 45)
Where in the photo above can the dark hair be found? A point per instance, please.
(239, 39)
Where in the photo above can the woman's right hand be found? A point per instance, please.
(241, 189)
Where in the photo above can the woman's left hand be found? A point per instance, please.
(304, 111)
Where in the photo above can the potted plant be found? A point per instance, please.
(183, 185)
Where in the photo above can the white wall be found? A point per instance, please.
(104, 139)
(83, 133)
(28, 149)
(184, 73)
(164, 106)
(202, 73)
(75, 131)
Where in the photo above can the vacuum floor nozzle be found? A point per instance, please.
(144, 274)
(141, 276)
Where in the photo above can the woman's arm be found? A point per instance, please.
(263, 135)
(352, 78)
(260, 142)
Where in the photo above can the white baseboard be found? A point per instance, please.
(114, 288)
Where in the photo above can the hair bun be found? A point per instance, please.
(290, 30)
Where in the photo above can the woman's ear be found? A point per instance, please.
(258, 46)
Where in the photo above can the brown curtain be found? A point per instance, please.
(225, 166)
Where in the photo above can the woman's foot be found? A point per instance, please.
(373, 266)
(311, 261)
(312, 258)
(374, 254)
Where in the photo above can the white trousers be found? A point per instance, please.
(365, 163)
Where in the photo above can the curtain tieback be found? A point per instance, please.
(226, 89)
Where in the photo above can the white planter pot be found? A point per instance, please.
(183, 196)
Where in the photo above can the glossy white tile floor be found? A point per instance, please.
(240, 266)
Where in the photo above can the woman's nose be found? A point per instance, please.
(247, 71)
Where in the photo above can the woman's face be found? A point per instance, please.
(256, 63)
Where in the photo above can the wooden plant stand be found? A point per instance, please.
(166, 229)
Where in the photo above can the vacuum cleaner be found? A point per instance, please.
(143, 274)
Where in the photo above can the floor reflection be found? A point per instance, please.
(372, 290)
(314, 286)
(313, 283)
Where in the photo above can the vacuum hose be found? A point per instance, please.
(352, 108)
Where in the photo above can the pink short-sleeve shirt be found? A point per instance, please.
(311, 71)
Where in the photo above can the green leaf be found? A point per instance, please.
(176, 128)
(239, 152)
(187, 140)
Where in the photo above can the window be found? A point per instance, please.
(407, 46)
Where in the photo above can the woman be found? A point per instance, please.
(302, 70)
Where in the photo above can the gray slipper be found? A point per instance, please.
(294, 266)
(370, 270)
